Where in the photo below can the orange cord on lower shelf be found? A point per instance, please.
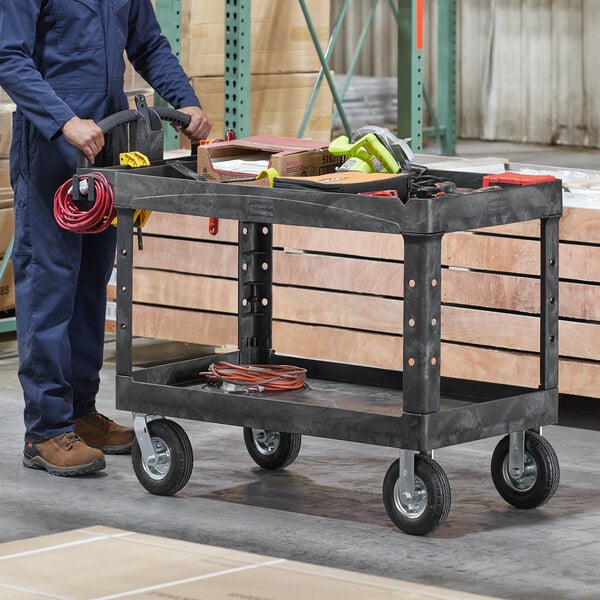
(256, 377)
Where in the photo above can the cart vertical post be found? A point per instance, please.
(422, 337)
(255, 292)
(549, 237)
(124, 325)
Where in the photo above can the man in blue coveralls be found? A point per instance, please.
(61, 61)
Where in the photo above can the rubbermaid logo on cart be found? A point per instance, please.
(261, 209)
(498, 206)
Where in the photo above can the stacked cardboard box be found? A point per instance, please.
(283, 65)
(7, 290)
(7, 287)
(6, 110)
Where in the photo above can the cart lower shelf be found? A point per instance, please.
(343, 402)
(416, 491)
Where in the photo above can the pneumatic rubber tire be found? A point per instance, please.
(431, 502)
(175, 459)
(541, 476)
(272, 450)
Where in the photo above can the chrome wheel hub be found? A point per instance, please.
(162, 465)
(266, 441)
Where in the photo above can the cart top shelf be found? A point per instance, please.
(166, 188)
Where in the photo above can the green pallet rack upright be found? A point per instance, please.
(237, 66)
(168, 13)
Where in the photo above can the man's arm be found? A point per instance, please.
(150, 54)
(19, 75)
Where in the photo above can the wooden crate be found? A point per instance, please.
(338, 296)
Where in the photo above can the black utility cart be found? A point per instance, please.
(413, 409)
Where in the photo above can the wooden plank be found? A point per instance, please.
(580, 225)
(576, 225)
(180, 325)
(186, 256)
(164, 288)
(189, 226)
(505, 292)
(339, 273)
(508, 255)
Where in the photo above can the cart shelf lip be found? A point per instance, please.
(176, 194)
(340, 410)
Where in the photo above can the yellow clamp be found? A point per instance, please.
(269, 174)
(135, 159)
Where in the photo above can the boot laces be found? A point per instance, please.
(70, 438)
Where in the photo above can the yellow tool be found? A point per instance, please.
(367, 154)
(373, 149)
(135, 159)
(270, 173)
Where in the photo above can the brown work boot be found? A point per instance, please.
(100, 432)
(65, 454)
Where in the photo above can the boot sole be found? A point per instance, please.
(37, 462)
(124, 449)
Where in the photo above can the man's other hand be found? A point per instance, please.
(199, 126)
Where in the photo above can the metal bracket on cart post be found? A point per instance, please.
(407, 476)
(140, 420)
(516, 454)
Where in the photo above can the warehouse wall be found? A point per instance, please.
(526, 68)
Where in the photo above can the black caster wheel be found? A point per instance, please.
(174, 459)
(272, 449)
(431, 503)
(540, 477)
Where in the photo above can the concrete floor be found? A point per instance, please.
(326, 508)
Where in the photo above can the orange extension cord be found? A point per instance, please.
(95, 220)
(257, 377)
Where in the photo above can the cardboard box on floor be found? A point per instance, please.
(288, 156)
(179, 571)
(7, 286)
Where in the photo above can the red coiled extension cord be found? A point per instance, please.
(256, 377)
(95, 220)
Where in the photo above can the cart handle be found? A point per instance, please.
(151, 116)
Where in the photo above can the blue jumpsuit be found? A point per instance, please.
(59, 59)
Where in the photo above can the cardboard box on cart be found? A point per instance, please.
(288, 156)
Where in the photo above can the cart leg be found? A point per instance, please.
(516, 454)
(140, 422)
(407, 476)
